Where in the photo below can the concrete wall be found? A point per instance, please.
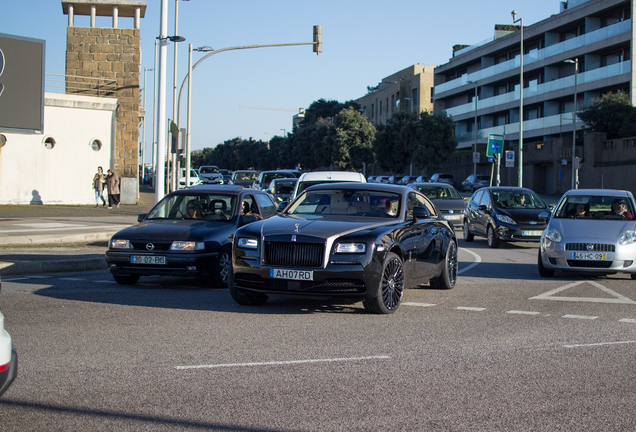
(32, 174)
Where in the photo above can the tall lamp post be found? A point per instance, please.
(520, 21)
(575, 170)
(143, 145)
(475, 127)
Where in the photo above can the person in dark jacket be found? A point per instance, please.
(112, 182)
(98, 184)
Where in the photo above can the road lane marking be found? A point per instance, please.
(579, 317)
(518, 312)
(48, 225)
(72, 279)
(617, 298)
(283, 363)
(418, 304)
(598, 344)
(627, 320)
(476, 263)
(114, 227)
(474, 309)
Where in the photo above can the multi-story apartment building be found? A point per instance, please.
(598, 34)
(410, 89)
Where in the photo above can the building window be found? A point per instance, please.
(414, 100)
(392, 104)
(372, 110)
(49, 143)
(96, 145)
(612, 58)
(380, 107)
(532, 112)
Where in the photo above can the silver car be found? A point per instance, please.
(592, 231)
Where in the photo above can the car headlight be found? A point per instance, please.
(351, 248)
(554, 235)
(186, 246)
(247, 243)
(628, 237)
(119, 244)
(505, 219)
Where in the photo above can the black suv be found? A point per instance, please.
(505, 214)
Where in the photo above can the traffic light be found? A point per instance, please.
(317, 39)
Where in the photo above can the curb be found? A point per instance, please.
(52, 266)
(51, 239)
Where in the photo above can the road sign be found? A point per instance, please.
(495, 144)
(510, 158)
(476, 157)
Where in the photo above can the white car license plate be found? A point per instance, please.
(452, 217)
(146, 259)
(532, 233)
(291, 274)
(595, 256)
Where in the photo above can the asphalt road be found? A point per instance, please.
(503, 351)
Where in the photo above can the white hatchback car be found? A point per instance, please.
(8, 357)
(590, 231)
(319, 177)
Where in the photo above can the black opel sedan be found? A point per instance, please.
(346, 242)
(505, 214)
(188, 233)
(447, 199)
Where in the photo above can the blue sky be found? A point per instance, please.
(363, 42)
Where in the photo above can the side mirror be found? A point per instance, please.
(141, 217)
(544, 216)
(420, 212)
(482, 207)
(282, 206)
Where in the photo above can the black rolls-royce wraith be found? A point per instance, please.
(345, 241)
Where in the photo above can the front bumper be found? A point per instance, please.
(561, 256)
(519, 233)
(177, 264)
(8, 375)
(338, 280)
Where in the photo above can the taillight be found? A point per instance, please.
(5, 367)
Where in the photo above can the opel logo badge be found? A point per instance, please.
(590, 247)
(150, 246)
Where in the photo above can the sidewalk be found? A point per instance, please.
(37, 239)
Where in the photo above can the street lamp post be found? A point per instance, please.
(575, 170)
(284, 133)
(475, 127)
(143, 145)
(520, 21)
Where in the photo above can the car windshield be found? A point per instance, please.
(483, 178)
(245, 176)
(595, 207)
(517, 200)
(209, 170)
(439, 192)
(347, 203)
(284, 187)
(211, 207)
(268, 177)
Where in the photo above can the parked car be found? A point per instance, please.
(8, 357)
(447, 199)
(188, 234)
(590, 231)
(282, 189)
(407, 179)
(245, 178)
(346, 242)
(381, 179)
(227, 175)
(371, 179)
(442, 178)
(474, 182)
(210, 174)
(421, 179)
(317, 177)
(265, 177)
(394, 179)
(505, 214)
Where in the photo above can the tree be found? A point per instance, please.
(352, 140)
(323, 109)
(395, 142)
(435, 139)
(611, 114)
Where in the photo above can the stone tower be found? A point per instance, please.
(107, 62)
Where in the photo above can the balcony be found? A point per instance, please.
(537, 55)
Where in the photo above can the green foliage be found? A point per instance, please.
(395, 142)
(436, 139)
(611, 114)
(352, 140)
(323, 109)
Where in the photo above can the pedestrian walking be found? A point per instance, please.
(98, 184)
(112, 182)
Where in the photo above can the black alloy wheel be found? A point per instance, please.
(468, 236)
(493, 241)
(223, 267)
(391, 287)
(448, 278)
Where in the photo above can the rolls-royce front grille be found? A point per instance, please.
(596, 247)
(590, 264)
(294, 254)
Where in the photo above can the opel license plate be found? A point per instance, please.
(594, 256)
(301, 275)
(148, 259)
